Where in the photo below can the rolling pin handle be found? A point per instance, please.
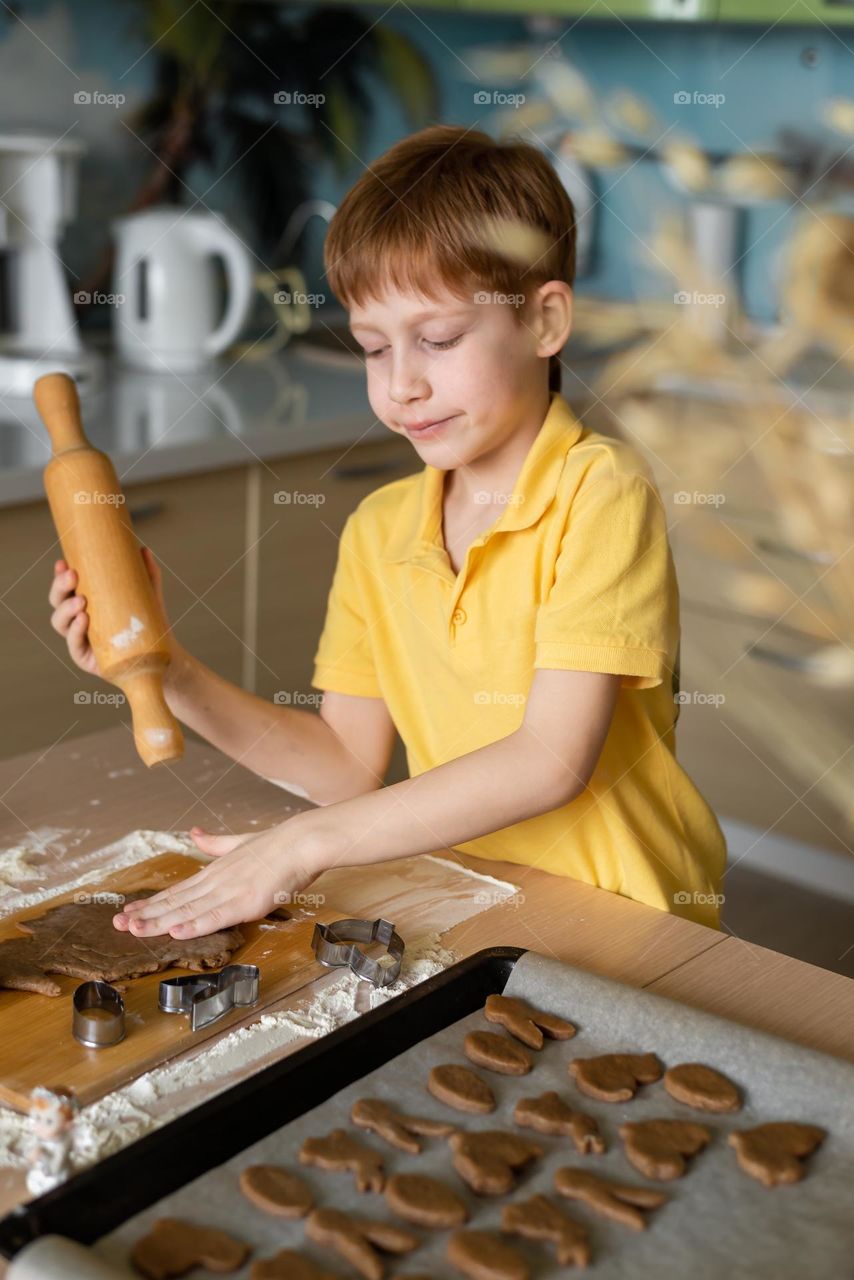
(58, 403)
(156, 733)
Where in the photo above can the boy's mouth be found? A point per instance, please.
(418, 430)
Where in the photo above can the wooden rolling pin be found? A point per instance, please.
(98, 541)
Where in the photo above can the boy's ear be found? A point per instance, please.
(552, 318)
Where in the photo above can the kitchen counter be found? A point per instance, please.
(156, 425)
(564, 918)
(98, 786)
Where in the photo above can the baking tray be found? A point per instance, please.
(93, 1202)
(717, 1221)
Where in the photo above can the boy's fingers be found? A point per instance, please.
(62, 586)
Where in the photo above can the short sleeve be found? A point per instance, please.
(613, 605)
(343, 662)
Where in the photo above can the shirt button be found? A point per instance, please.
(460, 615)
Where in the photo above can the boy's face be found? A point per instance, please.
(469, 367)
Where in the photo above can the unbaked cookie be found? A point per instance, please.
(339, 1151)
(425, 1202)
(397, 1129)
(612, 1200)
(483, 1255)
(276, 1191)
(549, 1114)
(660, 1149)
(497, 1053)
(358, 1239)
(615, 1077)
(488, 1160)
(539, 1219)
(702, 1087)
(774, 1153)
(172, 1248)
(525, 1022)
(462, 1088)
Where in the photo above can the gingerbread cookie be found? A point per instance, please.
(397, 1129)
(358, 1240)
(276, 1191)
(660, 1149)
(609, 1199)
(173, 1247)
(462, 1088)
(774, 1153)
(615, 1077)
(488, 1160)
(539, 1219)
(551, 1115)
(425, 1202)
(525, 1022)
(483, 1255)
(287, 1264)
(702, 1087)
(339, 1151)
(497, 1053)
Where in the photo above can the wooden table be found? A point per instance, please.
(68, 786)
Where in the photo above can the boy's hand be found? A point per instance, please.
(70, 619)
(250, 877)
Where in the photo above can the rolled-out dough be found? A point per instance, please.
(79, 939)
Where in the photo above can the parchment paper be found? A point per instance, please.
(718, 1222)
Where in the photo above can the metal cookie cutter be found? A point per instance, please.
(336, 944)
(207, 996)
(98, 1017)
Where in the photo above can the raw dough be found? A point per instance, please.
(489, 1159)
(425, 1202)
(525, 1022)
(173, 1247)
(549, 1114)
(398, 1129)
(539, 1219)
(462, 1088)
(497, 1053)
(78, 939)
(358, 1239)
(287, 1264)
(702, 1087)
(339, 1151)
(276, 1191)
(610, 1199)
(774, 1153)
(614, 1077)
(660, 1148)
(483, 1255)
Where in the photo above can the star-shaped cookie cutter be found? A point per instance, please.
(207, 996)
(337, 945)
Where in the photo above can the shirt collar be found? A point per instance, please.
(417, 529)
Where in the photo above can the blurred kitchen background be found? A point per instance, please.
(167, 172)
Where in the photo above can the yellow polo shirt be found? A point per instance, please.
(576, 573)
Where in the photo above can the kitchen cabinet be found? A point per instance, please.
(808, 12)
(605, 10)
(245, 581)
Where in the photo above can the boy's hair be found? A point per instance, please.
(415, 220)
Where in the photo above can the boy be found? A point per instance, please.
(511, 609)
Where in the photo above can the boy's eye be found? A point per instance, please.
(443, 346)
(378, 352)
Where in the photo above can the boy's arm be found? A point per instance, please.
(342, 752)
(541, 765)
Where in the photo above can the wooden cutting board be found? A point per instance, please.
(36, 1044)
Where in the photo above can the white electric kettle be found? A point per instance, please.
(166, 288)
